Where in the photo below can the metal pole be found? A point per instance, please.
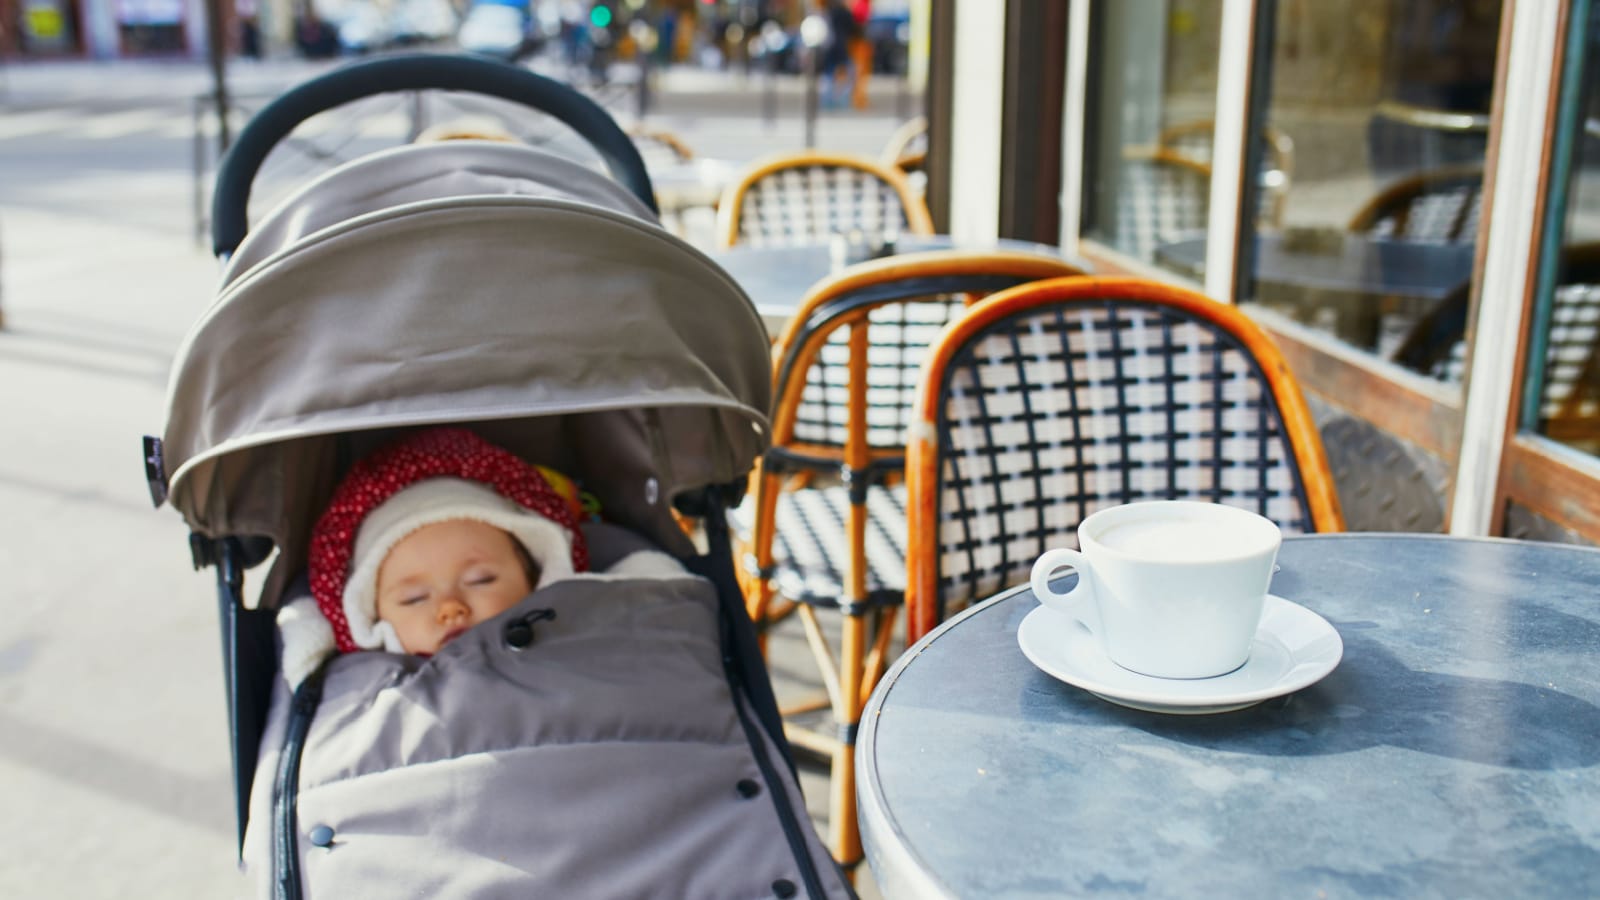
(813, 67)
(644, 85)
(199, 152)
(217, 39)
(769, 100)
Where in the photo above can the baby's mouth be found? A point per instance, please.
(451, 635)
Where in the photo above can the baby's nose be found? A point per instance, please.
(452, 609)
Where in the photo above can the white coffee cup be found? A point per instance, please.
(1171, 588)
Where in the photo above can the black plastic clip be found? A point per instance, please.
(155, 469)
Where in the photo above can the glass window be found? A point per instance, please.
(1372, 153)
(1562, 400)
(1150, 109)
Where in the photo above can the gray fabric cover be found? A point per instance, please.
(602, 761)
(418, 172)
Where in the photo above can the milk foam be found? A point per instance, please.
(1177, 540)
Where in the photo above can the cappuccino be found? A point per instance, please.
(1177, 540)
(1171, 588)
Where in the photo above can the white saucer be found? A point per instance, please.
(1294, 647)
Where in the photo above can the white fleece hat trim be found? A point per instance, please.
(429, 502)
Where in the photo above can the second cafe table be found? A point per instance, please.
(778, 278)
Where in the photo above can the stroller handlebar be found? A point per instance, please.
(412, 72)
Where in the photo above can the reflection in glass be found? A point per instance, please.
(1152, 103)
(1563, 378)
(1386, 105)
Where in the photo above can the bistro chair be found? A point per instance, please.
(1162, 197)
(1057, 398)
(1569, 407)
(1193, 139)
(823, 526)
(808, 196)
(907, 150)
(659, 147)
(665, 152)
(1439, 206)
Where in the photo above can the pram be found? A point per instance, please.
(535, 301)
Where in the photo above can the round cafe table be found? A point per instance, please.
(778, 278)
(1453, 752)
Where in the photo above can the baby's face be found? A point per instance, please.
(444, 578)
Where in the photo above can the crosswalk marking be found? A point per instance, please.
(112, 125)
(15, 125)
(179, 124)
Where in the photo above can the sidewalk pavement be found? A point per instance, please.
(114, 759)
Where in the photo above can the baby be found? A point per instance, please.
(429, 536)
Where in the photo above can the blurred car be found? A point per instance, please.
(422, 21)
(363, 28)
(775, 48)
(890, 36)
(496, 30)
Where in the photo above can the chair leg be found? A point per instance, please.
(844, 832)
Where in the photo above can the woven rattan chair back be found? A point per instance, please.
(1569, 388)
(1162, 197)
(807, 197)
(1055, 399)
(1439, 207)
(825, 523)
(907, 150)
(1194, 138)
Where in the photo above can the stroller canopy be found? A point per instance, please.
(463, 282)
(407, 174)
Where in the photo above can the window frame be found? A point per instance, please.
(1476, 428)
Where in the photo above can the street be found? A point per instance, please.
(114, 758)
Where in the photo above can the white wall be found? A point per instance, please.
(980, 27)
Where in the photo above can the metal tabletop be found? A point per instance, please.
(1454, 751)
(777, 278)
(1352, 264)
(695, 183)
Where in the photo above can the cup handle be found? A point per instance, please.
(1076, 602)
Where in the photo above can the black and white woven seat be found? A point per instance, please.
(1058, 398)
(811, 549)
(824, 523)
(807, 197)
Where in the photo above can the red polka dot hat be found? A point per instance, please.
(430, 476)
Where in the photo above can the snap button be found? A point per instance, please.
(321, 836)
(783, 887)
(519, 634)
(748, 787)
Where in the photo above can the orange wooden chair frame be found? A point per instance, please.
(857, 666)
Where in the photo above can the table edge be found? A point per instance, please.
(897, 868)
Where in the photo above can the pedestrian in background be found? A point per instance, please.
(838, 76)
(861, 52)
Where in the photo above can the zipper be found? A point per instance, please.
(286, 787)
(777, 789)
